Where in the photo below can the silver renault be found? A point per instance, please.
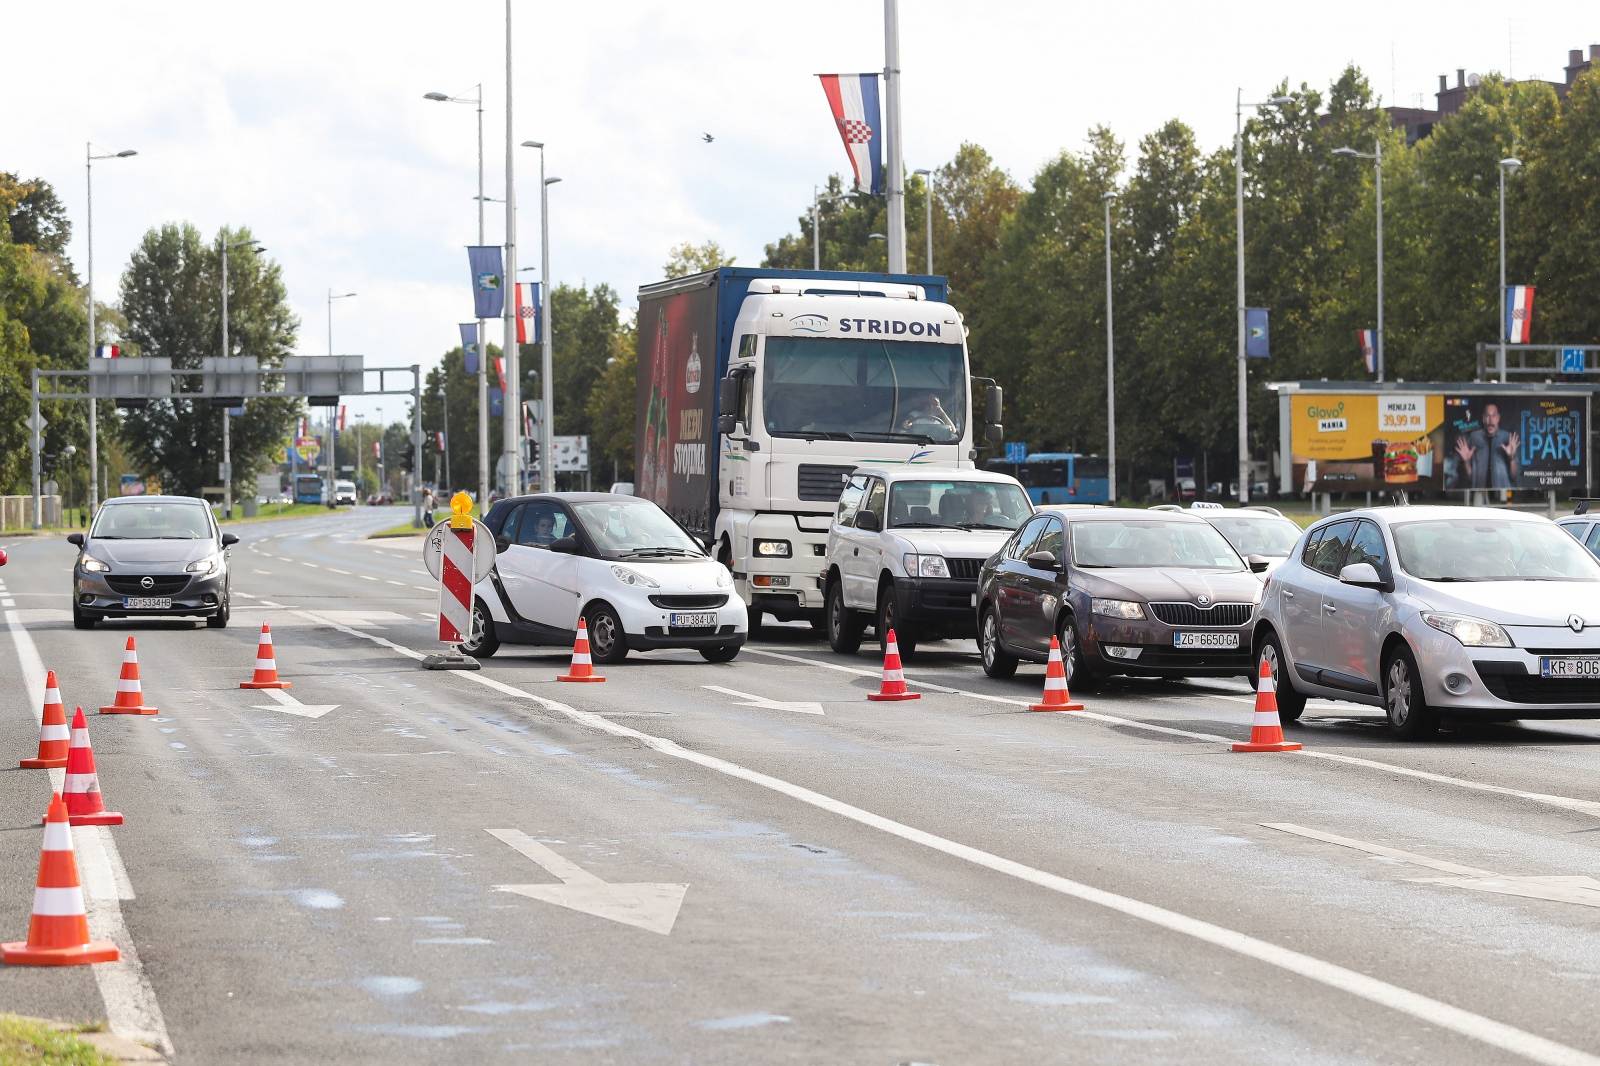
(1467, 611)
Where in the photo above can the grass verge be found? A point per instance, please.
(26, 1042)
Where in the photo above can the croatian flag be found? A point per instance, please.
(342, 410)
(107, 351)
(1367, 339)
(438, 439)
(500, 369)
(1519, 314)
(853, 99)
(377, 450)
(527, 312)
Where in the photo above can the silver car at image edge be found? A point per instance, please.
(1425, 611)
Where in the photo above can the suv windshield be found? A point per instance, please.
(1192, 545)
(860, 389)
(957, 505)
(1259, 536)
(152, 521)
(634, 529)
(1488, 549)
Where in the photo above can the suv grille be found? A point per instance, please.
(1217, 615)
(689, 603)
(164, 584)
(965, 569)
(823, 484)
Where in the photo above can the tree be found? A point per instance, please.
(35, 214)
(688, 258)
(584, 324)
(171, 297)
(612, 408)
(448, 385)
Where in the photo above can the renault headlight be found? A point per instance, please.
(926, 565)
(633, 578)
(1131, 610)
(773, 549)
(95, 566)
(208, 565)
(1472, 632)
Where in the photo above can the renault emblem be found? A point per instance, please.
(150, 583)
(1575, 622)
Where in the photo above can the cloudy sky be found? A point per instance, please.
(305, 121)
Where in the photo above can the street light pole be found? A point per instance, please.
(1111, 362)
(816, 231)
(94, 421)
(547, 415)
(227, 419)
(928, 174)
(1238, 192)
(1508, 164)
(511, 422)
(1376, 155)
(333, 412)
(895, 178)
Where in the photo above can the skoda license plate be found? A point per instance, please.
(1205, 640)
(147, 603)
(692, 619)
(1587, 666)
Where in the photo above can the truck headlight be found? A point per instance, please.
(208, 565)
(94, 566)
(773, 549)
(1126, 609)
(926, 565)
(1471, 632)
(633, 578)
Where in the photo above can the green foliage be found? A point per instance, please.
(689, 258)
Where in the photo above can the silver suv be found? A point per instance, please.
(1471, 611)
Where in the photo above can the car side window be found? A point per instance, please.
(1367, 546)
(508, 524)
(1022, 547)
(1593, 543)
(850, 500)
(1309, 553)
(1330, 549)
(875, 499)
(540, 524)
(1050, 539)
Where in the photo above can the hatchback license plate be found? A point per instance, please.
(147, 603)
(1586, 667)
(1205, 640)
(695, 620)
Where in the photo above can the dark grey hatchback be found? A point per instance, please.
(1145, 593)
(151, 556)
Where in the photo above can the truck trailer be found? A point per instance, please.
(760, 390)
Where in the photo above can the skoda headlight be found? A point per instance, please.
(1127, 609)
(95, 566)
(773, 549)
(208, 565)
(926, 565)
(633, 578)
(1472, 632)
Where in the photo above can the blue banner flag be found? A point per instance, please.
(469, 345)
(488, 276)
(497, 401)
(1257, 342)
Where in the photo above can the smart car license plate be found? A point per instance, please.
(1205, 640)
(147, 603)
(692, 620)
(1587, 666)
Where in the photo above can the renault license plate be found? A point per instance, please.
(692, 619)
(1587, 666)
(1205, 640)
(147, 603)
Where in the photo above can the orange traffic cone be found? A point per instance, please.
(53, 735)
(266, 675)
(58, 935)
(1056, 696)
(130, 697)
(582, 668)
(893, 688)
(1266, 731)
(82, 788)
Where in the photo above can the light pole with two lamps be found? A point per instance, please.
(94, 422)
(333, 412)
(1511, 164)
(929, 212)
(1376, 155)
(547, 401)
(1111, 365)
(227, 416)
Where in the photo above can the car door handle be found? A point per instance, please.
(1288, 595)
(1330, 608)
(856, 552)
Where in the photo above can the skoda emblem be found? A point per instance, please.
(150, 583)
(1575, 622)
(1204, 600)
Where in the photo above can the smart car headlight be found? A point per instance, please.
(1127, 609)
(633, 578)
(1472, 632)
(724, 579)
(94, 566)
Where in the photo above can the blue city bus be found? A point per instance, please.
(307, 488)
(1059, 477)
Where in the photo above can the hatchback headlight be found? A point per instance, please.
(1128, 609)
(208, 565)
(926, 565)
(1472, 632)
(94, 566)
(633, 578)
(724, 579)
(773, 549)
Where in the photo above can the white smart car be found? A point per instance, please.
(639, 581)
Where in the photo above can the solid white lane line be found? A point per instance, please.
(130, 999)
(1379, 849)
(1382, 993)
(1566, 803)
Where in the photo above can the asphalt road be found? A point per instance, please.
(950, 880)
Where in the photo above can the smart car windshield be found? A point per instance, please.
(1258, 536)
(1190, 545)
(1487, 549)
(957, 505)
(634, 529)
(152, 521)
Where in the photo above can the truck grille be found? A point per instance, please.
(965, 569)
(1217, 615)
(689, 603)
(823, 484)
(162, 584)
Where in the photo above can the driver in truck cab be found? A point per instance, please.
(925, 408)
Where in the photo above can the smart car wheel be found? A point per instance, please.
(844, 625)
(1410, 717)
(481, 641)
(607, 642)
(1291, 703)
(726, 653)
(997, 662)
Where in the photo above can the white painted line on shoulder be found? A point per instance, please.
(1378, 849)
(313, 566)
(8, 603)
(263, 573)
(397, 584)
(367, 577)
(1382, 993)
(336, 570)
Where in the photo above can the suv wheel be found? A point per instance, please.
(997, 662)
(904, 636)
(844, 625)
(1410, 717)
(1291, 703)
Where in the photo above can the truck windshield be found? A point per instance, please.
(861, 389)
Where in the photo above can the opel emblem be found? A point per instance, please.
(1575, 622)
(150, 583)
(1204, 600)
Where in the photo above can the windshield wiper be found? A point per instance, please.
(916, 438)
(924, 525)
(631, 553)
(985, 525)
(815, 434)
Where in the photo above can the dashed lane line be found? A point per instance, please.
(336, 570)
(1423, 1008)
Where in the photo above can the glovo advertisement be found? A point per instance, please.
(1367, 442)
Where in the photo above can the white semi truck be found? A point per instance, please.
(760, 391)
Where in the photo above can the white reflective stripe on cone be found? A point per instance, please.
(81, 783)
(1267, 718)
(266, 664)
(1265, 684)
(57, 836)
(581, 658)
(894, 675)
(52, 697)
(54, 732)
(130, 657)
(1051, 683)
(126, 684)
(58, 902)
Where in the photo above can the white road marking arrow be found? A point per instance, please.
(289, 705)
(747, 700)
(653, 907)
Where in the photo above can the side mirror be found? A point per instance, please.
(501, 544)
(567, 545)
(869, 522)
(994, 433)
(1259, 564)
(993, 402)
(1362, 575)
(1043, 561)
(728, 404)
(75, 538)
(229, 540)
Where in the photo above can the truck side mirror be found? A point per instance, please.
(728, 404)
(993, 402)
(994, 433)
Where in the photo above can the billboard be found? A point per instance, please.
(1528, 441)
(675, 411)
(1367, 442)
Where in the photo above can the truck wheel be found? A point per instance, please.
(844, 625)
(905, 636)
